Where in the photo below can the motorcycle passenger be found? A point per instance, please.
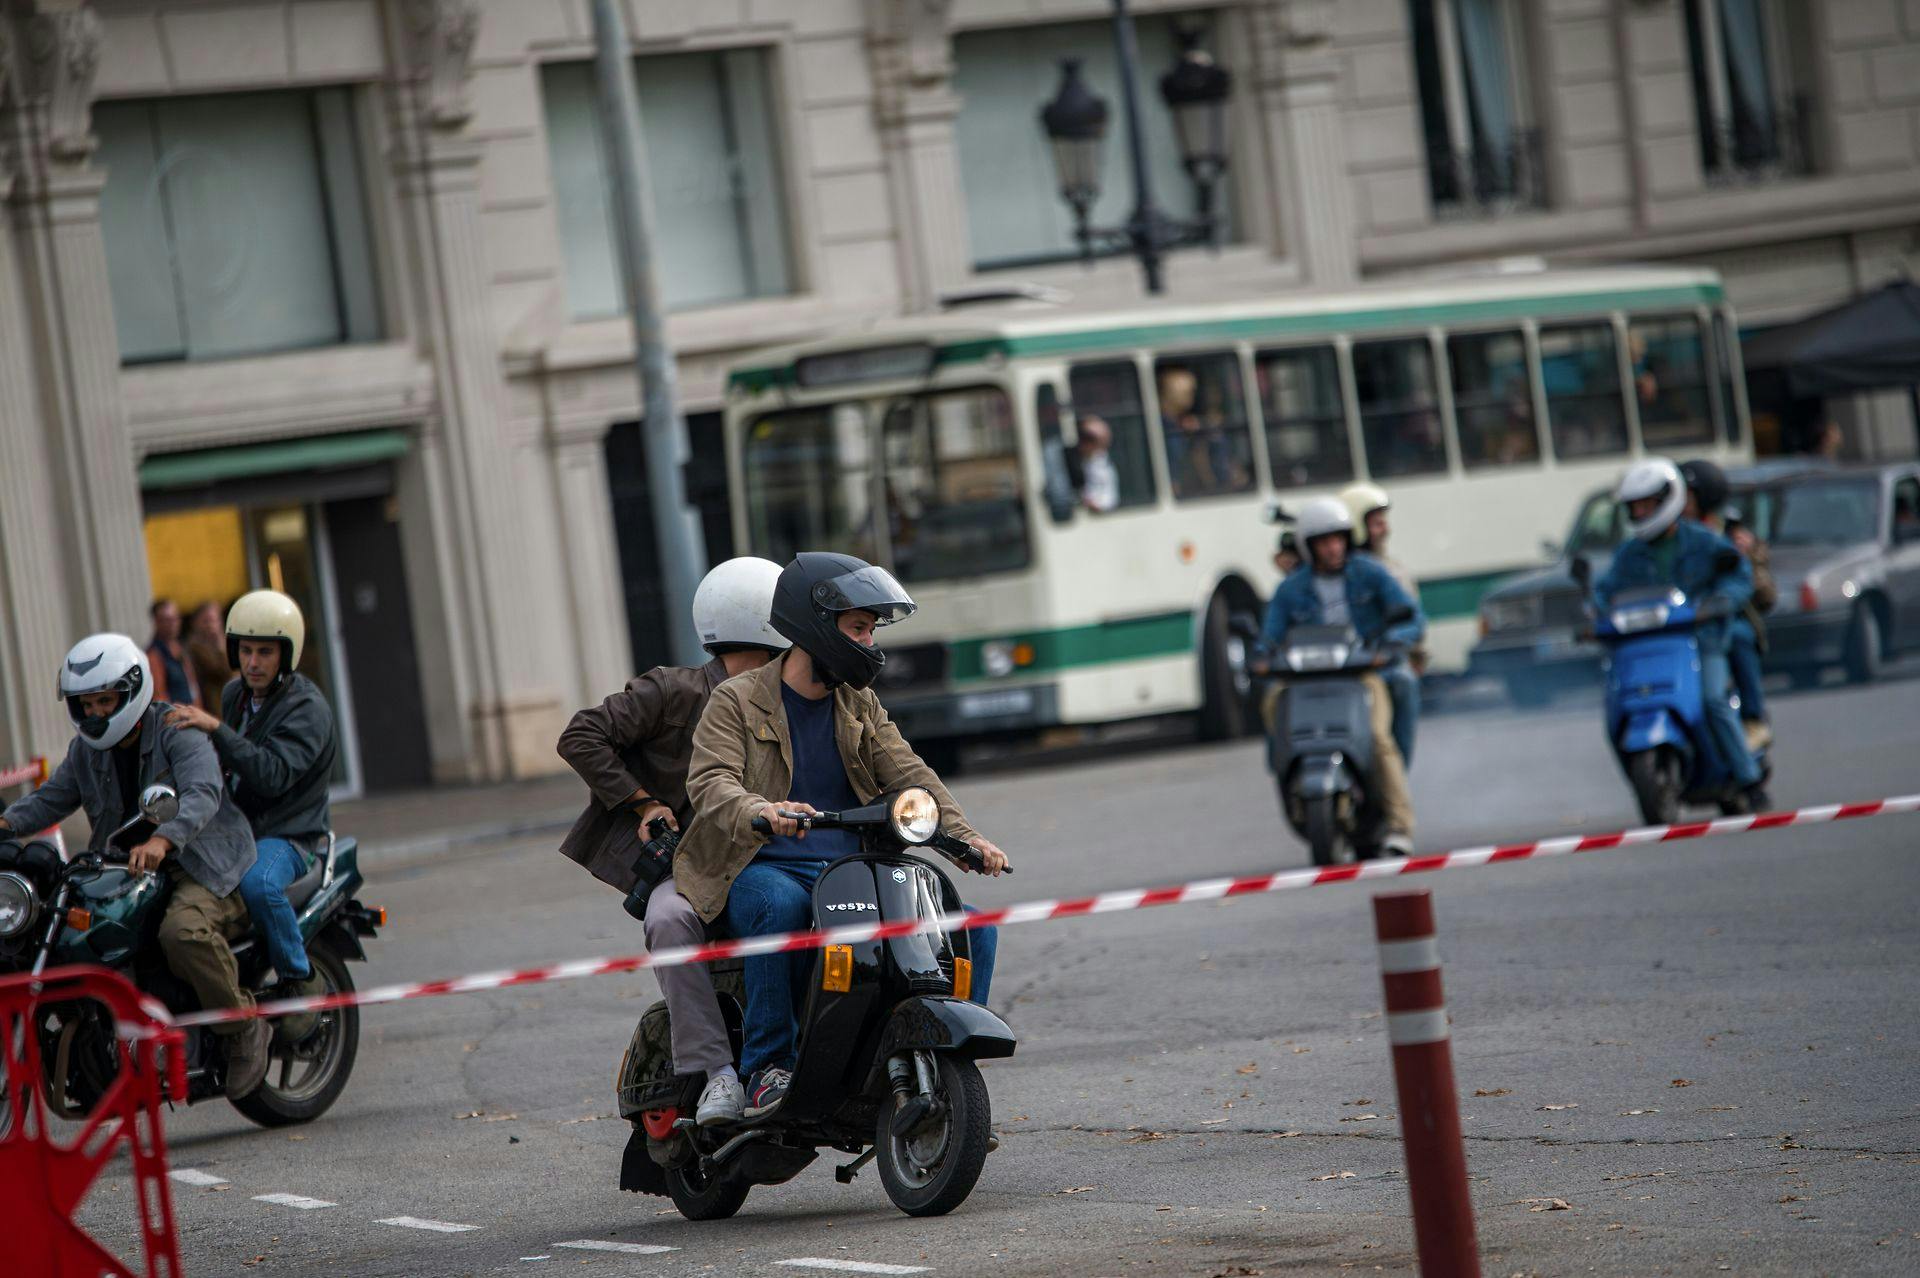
(122, 744)
(1664, 548)
(633, 750)
(1342, 588)
(1369, 505)
(801, 735)
(1747, 635)
(1286, 554)
(276, 742)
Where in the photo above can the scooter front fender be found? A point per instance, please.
(1320, 777)
(941, 1023)
(1650, 729)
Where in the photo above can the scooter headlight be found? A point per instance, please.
(1317, 656)
(915, 816)
(1642, 617)
(18, 905)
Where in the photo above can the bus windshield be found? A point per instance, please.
(944, 500)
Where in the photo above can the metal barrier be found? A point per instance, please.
(43, 1179)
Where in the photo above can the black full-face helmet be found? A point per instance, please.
(1708, 484)
(811, 594)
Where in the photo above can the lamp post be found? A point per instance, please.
(1196, 92)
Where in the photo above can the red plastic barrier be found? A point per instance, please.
(42, 1179)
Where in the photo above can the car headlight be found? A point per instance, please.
(18, 905)
(1318, 656)
(915, 816)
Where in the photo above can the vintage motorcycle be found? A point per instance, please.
(888, 1045)
(94, 910)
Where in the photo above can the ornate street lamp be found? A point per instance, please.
(1196, 92)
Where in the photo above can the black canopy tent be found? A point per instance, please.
(1869, 343)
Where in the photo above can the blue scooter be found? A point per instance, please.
(1655, 715)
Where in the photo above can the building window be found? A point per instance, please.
(1580, 372)
(235, 225)
(1670, 380)
(1483, 151)
(707, 124)
(1111, 392)
(1493, 399)
(1306, 416)
(1747, 87)
(1203, 418)
(1399, 408)
(1015, 215)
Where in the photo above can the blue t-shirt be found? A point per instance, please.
(819, 778)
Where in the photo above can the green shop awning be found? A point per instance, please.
(208, 466)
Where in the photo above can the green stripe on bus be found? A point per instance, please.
(1100, 644)
(1446, 598)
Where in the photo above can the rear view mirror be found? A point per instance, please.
(1582, 572)
(1399, 616)
(159, 804)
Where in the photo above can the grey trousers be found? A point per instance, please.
(699, 1034)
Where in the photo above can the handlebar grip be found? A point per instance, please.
(762, 826)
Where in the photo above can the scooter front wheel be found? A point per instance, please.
(1325, 839)
(932, 1169)
(1656, 784)
(703, 1196)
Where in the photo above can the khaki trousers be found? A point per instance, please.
(193, 936)
(1389, 777)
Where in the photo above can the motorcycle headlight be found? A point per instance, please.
(915, 816)
(18, 905)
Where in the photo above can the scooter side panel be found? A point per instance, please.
(1646, 729)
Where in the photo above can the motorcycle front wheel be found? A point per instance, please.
(304, 1079)
(932, 1169)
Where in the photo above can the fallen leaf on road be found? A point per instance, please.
(1631, 1113)
(1611, 1228)
(1144, 1137)
(1341, 1175)
(1080, 1189)
(1681, 1082)
(590, 1118)
(1360, 1118)
(1721, 1109)
(1790, 1198)
(1493, 1091)
(1573, 1105)
(1547, 1204)
(1298, 1050)
(1249, 1068)
(296, 1136)
(1362, 1101)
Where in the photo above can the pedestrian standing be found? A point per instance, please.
(173, 679)
(207, 651)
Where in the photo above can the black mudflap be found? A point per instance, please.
(639, 1174)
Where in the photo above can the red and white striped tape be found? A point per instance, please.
(1105, 903)
(33, 770)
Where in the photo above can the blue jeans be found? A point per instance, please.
(264, 889)
(1404, 684)
(1728, 737)
(1743, 654)
(777, 896)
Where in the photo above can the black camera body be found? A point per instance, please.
(652, 866)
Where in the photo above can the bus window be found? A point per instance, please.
(1306, 421)
(1493, 399)
(1399, 407)
(1111, 392)
(1670, 380)
(954, 503)
(1203, 414)
(1582, 380)
(1723, 365)
(808, 484)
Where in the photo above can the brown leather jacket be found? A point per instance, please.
(1766, 593)
(640, 738)
(743, 760)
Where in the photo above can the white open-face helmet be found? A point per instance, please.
(731, 607)
(262, 615)
(1654, 477)
(1321, 516)
(102, 663)
(1362, 500)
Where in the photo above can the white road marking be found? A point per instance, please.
(436, 1226)
(294, 1200)
(188, 1176)
(631, 1249)
(852, 1266)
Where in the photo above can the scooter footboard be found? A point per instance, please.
(939, 1023)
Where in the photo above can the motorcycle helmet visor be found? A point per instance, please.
(870, 589)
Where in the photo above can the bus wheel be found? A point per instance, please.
(1223, 715)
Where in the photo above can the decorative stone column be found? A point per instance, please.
(911, 45)
(474, 564)
(596, 592)
(1297, 79)
(72, 555)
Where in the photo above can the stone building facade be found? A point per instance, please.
(317, 293)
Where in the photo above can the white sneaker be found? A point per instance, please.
(724, 1101)
(1397, 844)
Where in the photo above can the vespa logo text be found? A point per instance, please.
(853, 905)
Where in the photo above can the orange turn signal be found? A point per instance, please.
(963, 978)
(836, 974)
(1023, 654)
(79, 920)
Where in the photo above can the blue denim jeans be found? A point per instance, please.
(777, 896)
(1723, 721)
(264, 889)
(1743, 654)
(1404, 684)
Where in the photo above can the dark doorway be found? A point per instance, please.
(706, 483)
(376, 635)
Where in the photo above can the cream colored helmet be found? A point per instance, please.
(1362, 500)
(267, 614)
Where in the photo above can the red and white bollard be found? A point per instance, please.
(1423, 1075)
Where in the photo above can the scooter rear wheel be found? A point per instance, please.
(932, 1171)
(704, 1197)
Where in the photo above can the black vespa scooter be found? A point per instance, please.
(887, 1045)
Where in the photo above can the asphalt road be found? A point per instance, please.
(1706, 1051)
